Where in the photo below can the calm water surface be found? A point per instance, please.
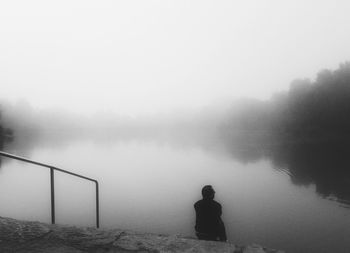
(152, 187)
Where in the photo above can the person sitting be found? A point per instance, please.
(209, 225)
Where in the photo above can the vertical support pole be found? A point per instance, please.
(97, 207)
(52, 183)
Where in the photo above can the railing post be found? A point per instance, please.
(97, 207)
(52, 183)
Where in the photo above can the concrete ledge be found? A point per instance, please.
(26, 236)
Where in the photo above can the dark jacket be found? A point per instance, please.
(208, 219)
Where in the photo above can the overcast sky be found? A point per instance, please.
(136, 57)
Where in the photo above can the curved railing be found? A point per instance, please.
(52, 183)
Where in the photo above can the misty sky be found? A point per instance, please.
(136, 57)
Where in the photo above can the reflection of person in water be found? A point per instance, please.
(209, 225)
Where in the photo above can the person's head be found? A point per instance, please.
(208, 192)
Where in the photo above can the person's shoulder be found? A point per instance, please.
(216, 203)
(198, 202)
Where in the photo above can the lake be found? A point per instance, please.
(279, 199)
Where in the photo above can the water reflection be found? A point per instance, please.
(326, 165)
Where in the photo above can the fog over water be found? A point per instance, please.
(279, 165)
(281, 197)
(157, 98)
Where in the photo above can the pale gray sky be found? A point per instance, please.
(135, 57)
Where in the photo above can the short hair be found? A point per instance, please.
(207, 191)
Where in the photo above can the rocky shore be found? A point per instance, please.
(26, 236)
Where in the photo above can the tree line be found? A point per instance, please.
(309, 112)
(6, 134)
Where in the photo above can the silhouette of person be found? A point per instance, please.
(209, 225)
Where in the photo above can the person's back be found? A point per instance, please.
(209, 225)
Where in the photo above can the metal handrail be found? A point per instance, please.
(52, 183)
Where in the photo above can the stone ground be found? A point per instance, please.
(26, 236)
